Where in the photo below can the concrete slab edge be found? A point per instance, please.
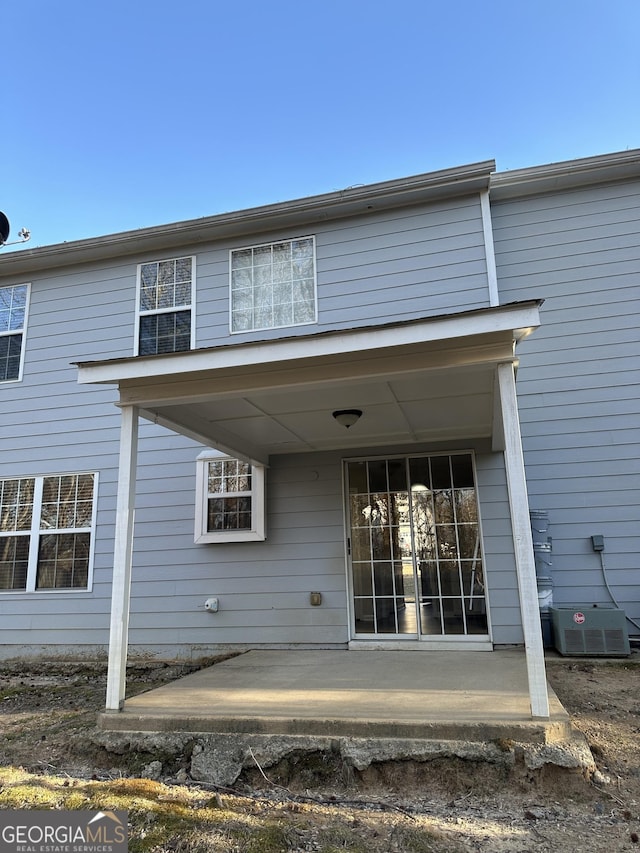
(219, 759)
(526, 731)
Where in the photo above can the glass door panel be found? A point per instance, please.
(383, 578)
(416, 563)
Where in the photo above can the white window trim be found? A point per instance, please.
(257, 533)
(35, 532)
(23, 331)
(172, 310)
(315, 285)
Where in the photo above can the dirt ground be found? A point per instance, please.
(48, 760)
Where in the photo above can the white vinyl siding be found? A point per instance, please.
(578, 391)
(386, 265)
(273, 285)
(14, 303)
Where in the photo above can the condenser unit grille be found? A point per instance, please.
(617, 642)
(590, 631)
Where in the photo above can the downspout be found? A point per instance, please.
(489, 249)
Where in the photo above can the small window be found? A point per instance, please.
(229, 501)
(14, 302)
(274, 285)
(166, 291)
(46, 532)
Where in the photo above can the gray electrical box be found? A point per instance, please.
(590, 630)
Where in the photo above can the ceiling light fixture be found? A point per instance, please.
(347, 417)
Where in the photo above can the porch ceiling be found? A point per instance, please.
(416, 382)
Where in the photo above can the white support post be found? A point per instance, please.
(523, 543)
(122, 557)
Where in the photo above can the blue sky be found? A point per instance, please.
(123, 115)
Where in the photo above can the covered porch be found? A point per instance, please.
(421, 383)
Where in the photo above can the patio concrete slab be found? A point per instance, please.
(452, 695)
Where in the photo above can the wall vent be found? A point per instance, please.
(590, 630)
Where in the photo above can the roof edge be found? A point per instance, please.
(351, 201)
(527, 311)
(566, 174)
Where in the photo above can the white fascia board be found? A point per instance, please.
(566, 175)
(519, 319)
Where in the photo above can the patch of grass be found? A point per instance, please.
(152, 832)
(29, 796)
(626, 663)
(268, 838)
(421, 840)
(26, 722)
(340, 838)
(189, 820)
(160, 818)
(156, 818)
(11, 692)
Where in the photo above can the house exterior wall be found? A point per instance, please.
(578, 396)
(425, 260)
(579, 378)
(264, 587)
(48, 424)
(51, 425)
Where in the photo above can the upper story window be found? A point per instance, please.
(166, 296)
(46, 532)
(273, 285)
(14, 302)
(229, 500)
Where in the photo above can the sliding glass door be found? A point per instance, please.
(414, 547)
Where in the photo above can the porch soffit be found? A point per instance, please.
(415, 382)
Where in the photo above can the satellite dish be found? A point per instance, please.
(4, 228)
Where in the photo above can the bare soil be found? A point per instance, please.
(49, 760)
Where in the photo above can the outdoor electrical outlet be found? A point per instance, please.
(597, 543)
(211, 605)
(315, 599)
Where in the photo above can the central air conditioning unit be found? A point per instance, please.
(590, 630)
